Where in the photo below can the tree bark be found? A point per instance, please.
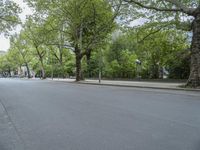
(43, 71)
(43, 75)
(154, 71)
(88, 57)
(194, 78)
(78, 63)
(28, 70)
(40, 55)
(9, 72)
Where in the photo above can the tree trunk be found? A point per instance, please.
(42, 70)
(9, 72)
(43, 73)
(194, 78)
(88, 56)
(154, 71)
(28, 70)
(40, 55)
(78, 63)
(61, 60)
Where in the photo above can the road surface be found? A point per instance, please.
(50, 115)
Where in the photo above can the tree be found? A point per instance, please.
(36, 37)
(179, 69)
(121, 57)
(56, 42)
(20, 46)
(8, 15)
(87, 23)
(157, 50)
(183, 15)
(5, 66)
(9, 62)
(14, 60)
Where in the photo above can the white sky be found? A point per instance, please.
(4, 42)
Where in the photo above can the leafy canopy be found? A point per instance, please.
(8, 15)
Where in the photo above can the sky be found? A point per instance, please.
(4, 42)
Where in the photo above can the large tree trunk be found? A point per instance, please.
(88, 56)
(28, 70)
(9, 72)
(43, 75)
(61, 60)
(40, 55)
(194, 78)
(78, 63)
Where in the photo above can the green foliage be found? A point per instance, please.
(7, 64)
(155, 50)
(122, 66)
(161, 47)
(8, 15)
(84, 24)
(61, 33)
(157, 12)
(179, 69)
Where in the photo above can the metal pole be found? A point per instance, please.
(100, 65)
(52, 68)
(99, 76)
(52, 71)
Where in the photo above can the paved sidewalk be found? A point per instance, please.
(138, 84)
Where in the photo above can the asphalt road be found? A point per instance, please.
(50, 115)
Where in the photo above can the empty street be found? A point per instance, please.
(51, 115)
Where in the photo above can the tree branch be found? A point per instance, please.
(180, 7)
(183, 8)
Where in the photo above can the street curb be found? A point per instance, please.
(129, 86)
(136, 86)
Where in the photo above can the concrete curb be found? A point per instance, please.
(137, 86)
(129, 86)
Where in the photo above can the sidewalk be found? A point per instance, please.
(137, 84)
